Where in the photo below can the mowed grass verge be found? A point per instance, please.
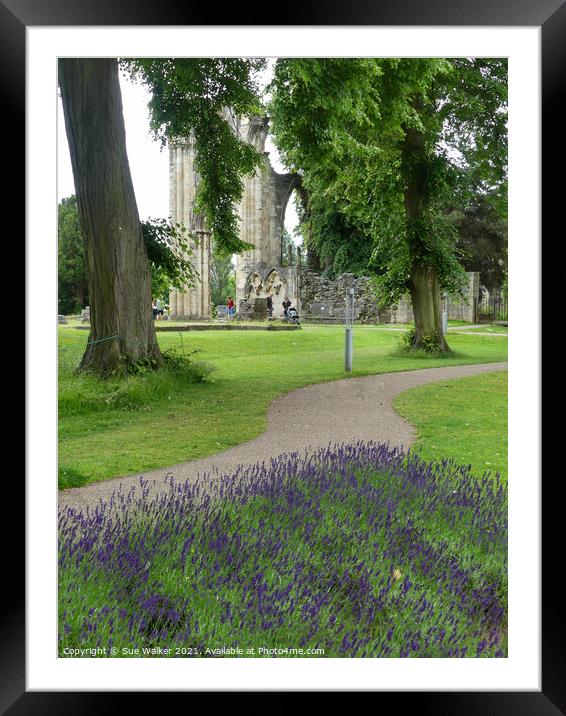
(464, 419)
(110, 428)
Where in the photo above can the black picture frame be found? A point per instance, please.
(550, 16)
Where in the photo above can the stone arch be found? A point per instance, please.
(261, 212)
(254, 285)
(273, 282)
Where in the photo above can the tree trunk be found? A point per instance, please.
(424, 285)
(427, 308)
(117, 267)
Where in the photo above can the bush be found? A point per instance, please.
(182, 365)
(428, 344)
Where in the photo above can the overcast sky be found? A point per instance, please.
(149, 163)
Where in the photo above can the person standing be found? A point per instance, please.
(270, 305)
(231, 306)
(154, 308)
(286, 304)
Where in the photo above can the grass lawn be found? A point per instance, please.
(490, 328)
(111, 428)
(411, 324)
(463, 419)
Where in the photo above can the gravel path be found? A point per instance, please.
(340, 411)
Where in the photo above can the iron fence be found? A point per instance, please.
(492, 307)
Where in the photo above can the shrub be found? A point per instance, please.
(428, 344)
(183, 365)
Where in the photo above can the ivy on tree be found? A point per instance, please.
(169, 247)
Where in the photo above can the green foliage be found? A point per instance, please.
(222, 277)
(178, 363)
(168, 246)
(287, 245)
(169, 251)
(482, 239)
(182, 365)
(71, 274)
(427, 344)
(341, 247)
(198, 98)
(69, 477)
(363, 132)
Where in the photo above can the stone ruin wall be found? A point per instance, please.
(260, 270)
(323, 299)
(262, 215)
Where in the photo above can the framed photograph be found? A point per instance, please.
(529, 678)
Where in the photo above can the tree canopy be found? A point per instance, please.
(200, 97)
(388, 146)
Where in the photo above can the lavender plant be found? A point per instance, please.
(356, 550)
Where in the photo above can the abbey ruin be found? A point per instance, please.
(263, 270)
(262, 215)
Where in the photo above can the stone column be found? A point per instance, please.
(183, 183)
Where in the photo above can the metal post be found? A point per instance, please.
(445, 315)
(349, 330)
(348, 358)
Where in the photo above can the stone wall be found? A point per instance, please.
(263, 279)
(324, 299)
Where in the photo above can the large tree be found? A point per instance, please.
(189, 96)
(119, 281)
(385, 143)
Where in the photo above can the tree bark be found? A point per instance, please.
(427, 308)
(117, 267)
(424, 284)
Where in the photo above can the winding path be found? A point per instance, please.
(340, 411)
